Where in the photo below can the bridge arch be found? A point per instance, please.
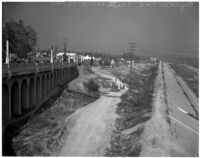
(51, 81)
(54, 79)
(60, 72)
(67, 74)
(57, 77)
(47, 84)
(63, 75)
(15, 101)
(64, 71)
(24, 94)
(31, 92)
(5, 102)
(38, 89)
(20, 91)
(70, 72)
(43, 88)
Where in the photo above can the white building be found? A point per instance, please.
(72, 57)
(87, 57)
(153, 58)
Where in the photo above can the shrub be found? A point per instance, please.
(92, 85)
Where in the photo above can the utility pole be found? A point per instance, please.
(7, 53)
(52, 54)
(65, 45)
(52, 66)
(131, 50)
(65, 49)
(8, 58)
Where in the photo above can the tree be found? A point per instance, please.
(22, 39)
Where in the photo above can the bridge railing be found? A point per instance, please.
(26, 68)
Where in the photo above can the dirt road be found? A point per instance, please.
(91, 126)
(173, 127)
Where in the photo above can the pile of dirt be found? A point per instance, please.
(134, 110)
(42, 135)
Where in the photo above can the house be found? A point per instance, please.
(153, 58)
(72, 57)
(87, 57)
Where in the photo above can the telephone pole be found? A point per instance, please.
(65, 45)
(131, 50)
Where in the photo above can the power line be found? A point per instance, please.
(137, 45)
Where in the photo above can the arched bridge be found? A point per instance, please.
(25, 86)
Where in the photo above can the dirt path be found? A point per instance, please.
(155, 139)
(172, 130)
(91, 126)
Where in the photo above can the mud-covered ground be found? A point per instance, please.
(134, 110)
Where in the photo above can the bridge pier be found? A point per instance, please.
(16, 98)
(23, 91)
(43, 86)
(38, 88)
(6, 104)
(24, 94)
(31, 92)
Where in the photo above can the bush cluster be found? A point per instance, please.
(92, 85)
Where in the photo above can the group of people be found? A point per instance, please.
(119, 84)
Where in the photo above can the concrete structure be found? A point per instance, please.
(153, 59)
(72, 56)
(25, 86)
(87, 57)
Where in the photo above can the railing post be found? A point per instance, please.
(52, 66)
(8, 59)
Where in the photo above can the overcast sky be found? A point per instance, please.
(102, 27)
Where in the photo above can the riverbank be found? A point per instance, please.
(13, 128)
(91, 126)
(41, 135)
(133, 110)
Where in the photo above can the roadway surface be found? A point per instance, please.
(27, 68)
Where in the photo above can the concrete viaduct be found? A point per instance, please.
(25, 86)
